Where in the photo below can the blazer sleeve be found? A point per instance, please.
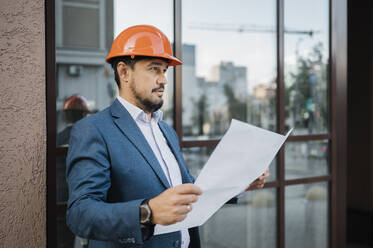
(88, 177)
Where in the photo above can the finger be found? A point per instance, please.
(257, 182)
(181, 217)
(266, 173)
(263, 177)
(257, 187)
(183, 209)
(188, 189)
(187, 199)
(190, 207)
(251, 188)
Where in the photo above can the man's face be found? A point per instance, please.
(147, 82)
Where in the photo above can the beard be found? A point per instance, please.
(146, 104)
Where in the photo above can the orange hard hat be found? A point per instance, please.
(76, 102)
(142, 40)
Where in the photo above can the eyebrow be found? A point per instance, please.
(156, 63)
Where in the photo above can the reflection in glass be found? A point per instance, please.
(83, 38)
(61, 185)
(81, 50)
(250, 223)
(306, 210)
(196, 158)
(229, 68)
(65, 238)
(273, 170)
(306, 159)
(306, 66)
(74, 108)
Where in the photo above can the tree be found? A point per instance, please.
(200, 116)
(306, 97)
(236, 108)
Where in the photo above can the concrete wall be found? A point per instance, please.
(22, 124)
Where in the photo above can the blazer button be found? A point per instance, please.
(177, 243)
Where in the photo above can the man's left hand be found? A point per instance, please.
(259, 182)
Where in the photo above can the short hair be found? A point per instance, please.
(130, 62)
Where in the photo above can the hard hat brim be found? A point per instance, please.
(173, 60)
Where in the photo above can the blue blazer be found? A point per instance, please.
(110, 170)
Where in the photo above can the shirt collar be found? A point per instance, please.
(139, 114)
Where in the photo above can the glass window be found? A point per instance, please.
(306, 66)
(65, 238)
(81, 26)
(306, 211)
(306, 159)
(85, 82)
(196, 158)
(250, 223)
(229, 66)
(273, 170)
(62, 190)
(229, 71)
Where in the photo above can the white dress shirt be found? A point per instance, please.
(162, 151)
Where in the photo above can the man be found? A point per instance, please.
(125, 170)
(74, 108)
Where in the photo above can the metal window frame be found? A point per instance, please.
(337, 136)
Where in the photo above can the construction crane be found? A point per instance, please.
(247, 28)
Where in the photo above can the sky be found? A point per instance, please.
(254, 50)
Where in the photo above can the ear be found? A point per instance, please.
(123, 72)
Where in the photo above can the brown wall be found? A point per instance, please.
(22, 124)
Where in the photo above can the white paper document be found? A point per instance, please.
(242, 155)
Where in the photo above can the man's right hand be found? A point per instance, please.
(173, 204)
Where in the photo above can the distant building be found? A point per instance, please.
(261, 109)
(202, 95)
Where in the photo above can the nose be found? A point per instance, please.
(162, 79)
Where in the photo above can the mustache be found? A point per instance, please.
(159, 88)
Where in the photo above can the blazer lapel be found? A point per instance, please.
(129, 128)
(172, 142)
